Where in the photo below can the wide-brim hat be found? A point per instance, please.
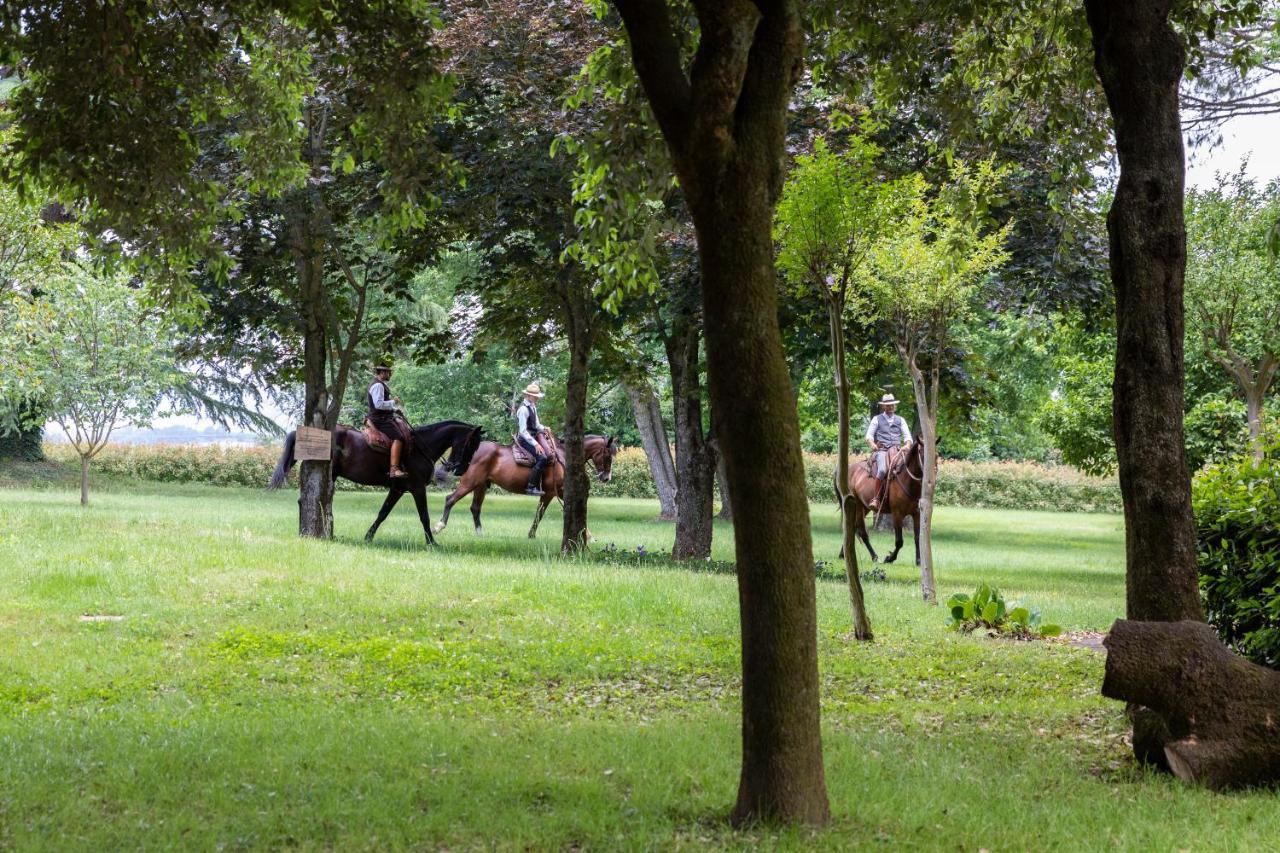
(533, 390)
(888, 400)
(381, 368)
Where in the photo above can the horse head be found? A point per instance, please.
(601, 450)
(465, 444)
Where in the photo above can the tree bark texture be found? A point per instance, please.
(315, 477)
(1139, 59)
(926, 413)
(84, 480)
(576, 482)
(695, 460)
(725, 124)
(657, 450)
(861, 623)
(1218, 714)
(722, 483)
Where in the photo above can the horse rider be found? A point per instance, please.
(382, 414)
(886, 432)
(529, 433)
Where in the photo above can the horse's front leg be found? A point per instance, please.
(897, 537)
(464, 488)
(393, 497)
(424, 515)
(860, 527)
(537, 516)
(915, 526)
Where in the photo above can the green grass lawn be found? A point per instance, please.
(262, 691)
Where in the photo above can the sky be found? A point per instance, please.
(1254, 137)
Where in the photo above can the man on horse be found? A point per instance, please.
(887, 432)
(529, 434)
(382, 414)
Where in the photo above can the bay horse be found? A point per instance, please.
(355, 460)
(494, 463)
(902, 499)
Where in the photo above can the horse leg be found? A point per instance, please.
(897, 536)
(860, 527)
(915, 526)
(537, 516)
(465, 487)
(476, 503)
(424, 515)
(393, 497)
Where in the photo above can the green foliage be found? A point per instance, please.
(987, 610)
(1078, 416)
(1237, 510)
(1215, 429)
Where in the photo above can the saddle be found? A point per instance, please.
(525, 459)
(380, 441)
(897, 461)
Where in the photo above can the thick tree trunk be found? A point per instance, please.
(1220, 714)
(861, 623)
(722, 483)
(695, 460)
(725, 127)
(576, 483)
(315, 477)
(1139, 59)
(84, 480)
(653, 437)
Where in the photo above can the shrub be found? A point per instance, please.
(987, 610)
(1237, 509)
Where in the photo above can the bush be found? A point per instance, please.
(999, 485)
(987, 610)
(1237, 509)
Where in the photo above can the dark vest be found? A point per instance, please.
(375, 413)
(533, 424)
(888, 431)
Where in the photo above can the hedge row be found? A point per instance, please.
(999, 485)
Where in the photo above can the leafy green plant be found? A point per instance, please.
(987, 610)
(1237, 510)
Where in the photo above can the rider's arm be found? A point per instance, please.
(906, 430)
(522, 424)
(871, 434)
(380, 400)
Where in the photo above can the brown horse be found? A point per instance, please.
(494, 463)
(355, 460)
(902, 500)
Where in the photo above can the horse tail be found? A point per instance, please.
(286, 462)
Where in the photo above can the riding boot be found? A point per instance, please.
(535, 477)
(396, 473)
(875, 497)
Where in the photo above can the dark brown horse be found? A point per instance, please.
(355, 460)
(494, 463)
(902, 499)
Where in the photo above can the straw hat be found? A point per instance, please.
(888, 400)
(533, 390)
(382, 368)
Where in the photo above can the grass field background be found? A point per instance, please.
(262, 691)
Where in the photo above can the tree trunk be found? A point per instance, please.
(928, 438)
(1253, 397)
(1139, 59)
(695, 460)
(84, 480)
(653, 436)
(1220, 713)
(725, 128)
(315, 477)
(576, 483)
(26, 443)
(722, 482)
(861, 623)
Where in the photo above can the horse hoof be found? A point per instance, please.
(437, 527)
(479, 531)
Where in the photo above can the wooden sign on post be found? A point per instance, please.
(312, 443)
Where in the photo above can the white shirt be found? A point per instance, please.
(379, 398)
(522, 420)
(902, 425)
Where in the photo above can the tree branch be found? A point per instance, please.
(656, 55)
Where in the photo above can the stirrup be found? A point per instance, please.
(534, 490)
(397, 474)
